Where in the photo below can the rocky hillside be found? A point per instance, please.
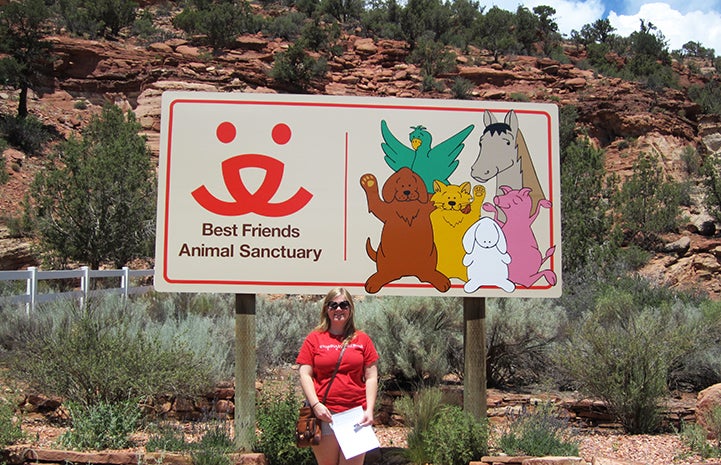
(621, 117)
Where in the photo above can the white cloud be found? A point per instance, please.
(678, 28)
(680, 21)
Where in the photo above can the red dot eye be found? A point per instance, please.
(281, 134)
(225, 132)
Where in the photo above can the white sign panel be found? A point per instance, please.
(297, 194)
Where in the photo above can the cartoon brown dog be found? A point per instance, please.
(406, 247)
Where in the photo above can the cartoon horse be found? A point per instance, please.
(504, 155)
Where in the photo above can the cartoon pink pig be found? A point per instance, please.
(526, 259)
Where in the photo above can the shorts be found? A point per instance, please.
(325, 429)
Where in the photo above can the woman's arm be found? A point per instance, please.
(308, 386)
(371, 377)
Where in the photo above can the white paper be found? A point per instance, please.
(353, 439)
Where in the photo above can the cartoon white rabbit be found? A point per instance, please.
(486, 256)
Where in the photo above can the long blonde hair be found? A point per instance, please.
(349, 329)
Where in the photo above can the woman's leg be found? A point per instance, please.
(328, 451)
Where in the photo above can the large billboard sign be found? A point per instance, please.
(296, 194)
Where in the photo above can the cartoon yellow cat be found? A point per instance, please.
(456, 210)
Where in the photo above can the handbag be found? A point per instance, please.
(307, 429)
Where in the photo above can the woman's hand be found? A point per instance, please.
(367, 418)
(322, 412)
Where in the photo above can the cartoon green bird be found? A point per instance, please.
(430, 163)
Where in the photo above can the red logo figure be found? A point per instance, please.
(260, 201)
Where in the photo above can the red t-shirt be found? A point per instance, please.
(320, 350)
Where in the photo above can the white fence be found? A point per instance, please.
(32, 276)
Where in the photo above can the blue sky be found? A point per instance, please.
(680, 21)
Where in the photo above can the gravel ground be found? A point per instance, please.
(662, 449)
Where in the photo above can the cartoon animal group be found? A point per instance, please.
(434, 230)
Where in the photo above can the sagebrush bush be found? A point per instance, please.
(104, 351)
(281, 327)
(519, 336)
(419, 340)
(539, 432)
(103, 425)
(623, 348)
(276, 417)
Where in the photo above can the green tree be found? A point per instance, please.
(585, 222)
(425, 19)
(220, 21)
(526, 29)
(496, 32)
(296, 68)
(23, 25)
(712, 180)
(382, 19)
(94, 200)
(648, 202)
(96, 18)
(464, 14)
(345, 11)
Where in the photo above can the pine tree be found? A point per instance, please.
(94, 202)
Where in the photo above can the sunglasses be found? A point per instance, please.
(345, 305)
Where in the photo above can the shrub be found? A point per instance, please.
(419, 339)
(296, 68)
(622, 349)
(219, 22)
(519, 336)
(276, 416)
(539, 433)
(455, 437)
(27, 134)
(694, 436)
(215, 439)
(4, 176)
(292, 317)
(165, 437)
(432, 57)
(210, 457)
(462, 88)
(94, 18)
(648, 201)
(86, 210)
(102, 352)
(418, 413)
(439, 433)
(105, 425)
(711, 170)
(712, 419)
(287, 26)
(10, 429)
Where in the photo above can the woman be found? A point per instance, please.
(356, 381)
